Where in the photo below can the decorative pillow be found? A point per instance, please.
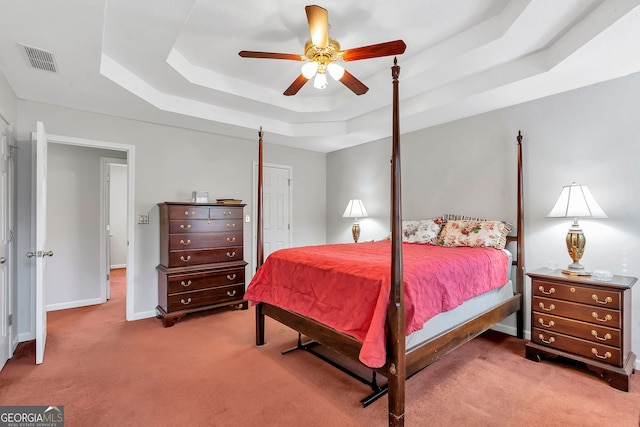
(421, 231)
(492, 234)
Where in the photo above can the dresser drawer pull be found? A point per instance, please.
(188, 242)
(231, 276)
(188, 258)
(606, 318)
(548, 325)
(232, 254)
(605, 338)
(187, 302)
(227, 213)
(551, 307)
(541, 289)
(188, 226)
(233, 224)
(185, 284)
(606, 301)
(231, 239)
(572, 289)
(605, 356)
(189, 214)
(231, 293)
(550, 341)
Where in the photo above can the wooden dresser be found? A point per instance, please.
(585, 320)
(201, 258)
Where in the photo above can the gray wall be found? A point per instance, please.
(118, 215)
(170, 164)
(590, 135)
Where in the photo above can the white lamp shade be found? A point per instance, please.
(320, 82)
(309, 69)
(355, 209)
(336, 71)
(576, 201)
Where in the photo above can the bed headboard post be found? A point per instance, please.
(520, 243)
(396, 354)
(259, 225)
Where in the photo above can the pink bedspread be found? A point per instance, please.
(346, 286)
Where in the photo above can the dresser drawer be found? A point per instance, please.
(186, 241)
(205, 297)
(576, 328)
(577, 293)
(188, 212)
(225, 213)
(588, 349)
(190, 282)
(205, 256)
(597, 315)
(204, 226)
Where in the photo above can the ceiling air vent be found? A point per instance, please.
(40, 58)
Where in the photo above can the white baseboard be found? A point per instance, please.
(74, 304)
(144, 315)
(26, 336)
(118, 266)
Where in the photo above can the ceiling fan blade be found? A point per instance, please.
(374, 51)
(296, 85)
(353, 83)
(318, 19)
(270, 55)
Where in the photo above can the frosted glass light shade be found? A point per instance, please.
(320, 82)
(309, 69)
(336, 71)
(355, 209)
(576, 201)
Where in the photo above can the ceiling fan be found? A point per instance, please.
(321, 53)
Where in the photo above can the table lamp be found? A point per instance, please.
(355, 209)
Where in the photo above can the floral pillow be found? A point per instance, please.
(421, 231)
(474, 233)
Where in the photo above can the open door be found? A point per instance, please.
(5, 336)
(41, 253)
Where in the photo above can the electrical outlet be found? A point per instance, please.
(143, 218)
(247, 218)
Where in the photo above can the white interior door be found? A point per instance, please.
(41, 251)
(5, 338)
(276, 208)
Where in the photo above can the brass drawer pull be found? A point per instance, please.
(187, 213)
(231, 293)
(231, 276)
(232, 254)
(188, 258)
(605, 338)
(607, 300)
(187, 302)
(541, 289)
(188, 242)
(188, 227)
(551, 307)
(226, 213)
(551, 339)
(606, 318)
(549, 325)
(605, 356)
(231, 239)
(233, 224)
(188, 283)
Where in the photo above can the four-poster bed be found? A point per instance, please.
(398, 363)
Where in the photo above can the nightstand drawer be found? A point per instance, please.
(576, 328)
(586, 313)
(602, 353)
(575, 293)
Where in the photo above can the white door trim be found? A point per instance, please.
(130, 150)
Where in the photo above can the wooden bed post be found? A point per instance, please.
(396, 345)
(259, 242)
(520, 244)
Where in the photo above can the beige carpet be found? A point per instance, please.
(206, 371)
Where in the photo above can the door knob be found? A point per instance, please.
(47, 253)
(31, 254)
(2, 260)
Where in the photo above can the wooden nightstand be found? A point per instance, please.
(585, 320)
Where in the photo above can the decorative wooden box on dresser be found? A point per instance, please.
(201, 258)
(585, 320)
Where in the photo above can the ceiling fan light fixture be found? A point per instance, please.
(309, 69)
(320, 82)
(336, 71)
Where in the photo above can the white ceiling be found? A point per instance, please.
(176, 62)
